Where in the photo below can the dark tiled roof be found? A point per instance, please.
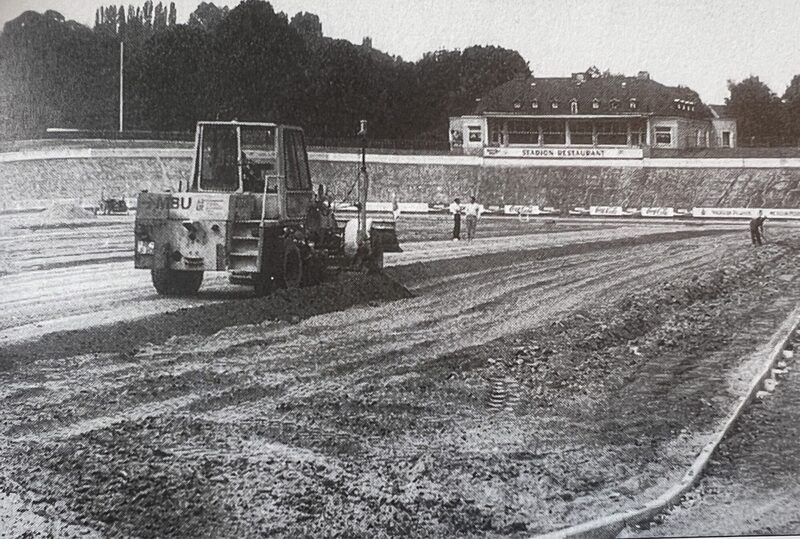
(651, 97)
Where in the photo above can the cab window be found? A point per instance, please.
(219, 160)
(258, 159)
(297, 173)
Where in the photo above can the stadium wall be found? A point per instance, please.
(35, 179)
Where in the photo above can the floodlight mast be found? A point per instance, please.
(121, 96)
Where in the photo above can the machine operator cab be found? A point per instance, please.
(250, 210)
(256, 158)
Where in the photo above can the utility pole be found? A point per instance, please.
(121, 58)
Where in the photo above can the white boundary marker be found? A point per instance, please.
(611, 525)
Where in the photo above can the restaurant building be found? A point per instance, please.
(589, 115)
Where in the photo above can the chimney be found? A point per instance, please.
(643, 75)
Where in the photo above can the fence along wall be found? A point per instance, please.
(36, 179)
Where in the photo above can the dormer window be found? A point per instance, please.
(535, 104)
(573, 106)
(632, 104)
(517, 104)
(554, 104)
(595, 104)
(614, 104)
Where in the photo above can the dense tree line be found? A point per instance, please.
(247, 63)
(763, 118)
(253, 63)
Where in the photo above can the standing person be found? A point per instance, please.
(455, 209)
(757, 229)
(395, 208)
(472, 211)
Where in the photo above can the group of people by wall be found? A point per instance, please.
(472, 212)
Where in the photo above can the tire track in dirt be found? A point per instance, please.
(39, 302)
(339, 352)
(331, 352)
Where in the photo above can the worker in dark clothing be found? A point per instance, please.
(757, 229)
(455, 210)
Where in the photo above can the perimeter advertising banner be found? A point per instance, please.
(565, 153)
(725, 213)
(606, 210)
(746, 213)
(658, 212)
(521, 210)
(788, 213)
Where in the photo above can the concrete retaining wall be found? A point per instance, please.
(36, 178)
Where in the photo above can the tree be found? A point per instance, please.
(173, 14)
(757, 111)
(450, 81)
(122, 28)
(259, 65)
(791, 97)
(167, 74)
(307, 25)
(147, 16)
(207, 16)
(56, 73)
(159, 18)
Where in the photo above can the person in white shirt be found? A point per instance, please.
(455, 209)
(472, 210)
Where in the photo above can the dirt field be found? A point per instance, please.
(752, 485)
(509, 392)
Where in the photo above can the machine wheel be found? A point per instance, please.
(292, 266)
(170, 282)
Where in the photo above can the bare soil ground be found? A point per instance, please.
(50, 239)
(511, 394)
(752, 484)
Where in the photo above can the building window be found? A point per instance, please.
(535, 104)
(638, 134)
(612, 134)
(614, 104)
(726, 139)
(554, 132)
(495, 132)
(664, 135)
(580, 133)
(632, 104)
(573, 107)
(595, 104)
(554, 104)
(474, 133)
(523, 132)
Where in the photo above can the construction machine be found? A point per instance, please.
(250, 209)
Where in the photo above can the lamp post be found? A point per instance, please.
(363, 186)
(121, 57)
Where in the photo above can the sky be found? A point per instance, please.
(700, 44)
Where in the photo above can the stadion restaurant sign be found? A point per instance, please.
(565, 153)
(746, 213)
